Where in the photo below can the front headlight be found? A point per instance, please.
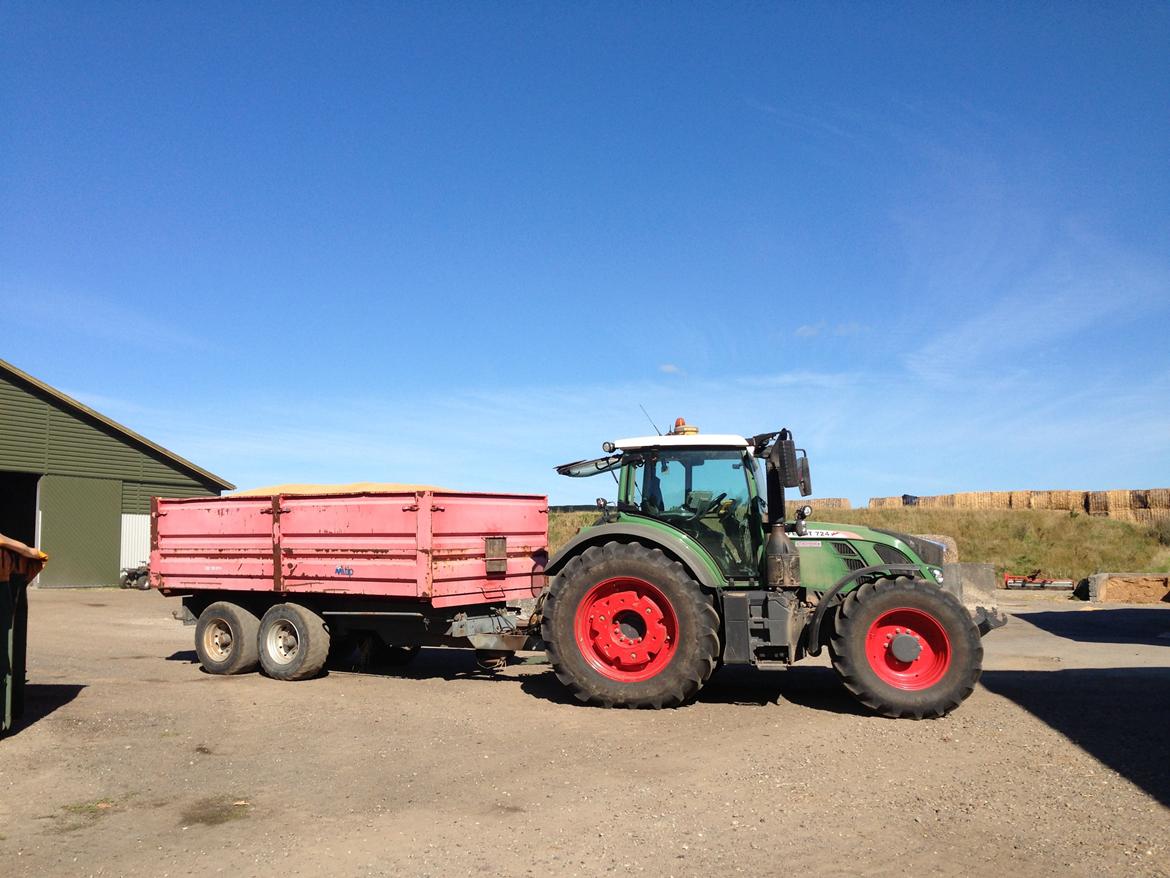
(937, 574)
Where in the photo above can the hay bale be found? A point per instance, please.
(1139, 499)
(1041, 500)
(829, 503)
(1116, 501)
(1020, 499)
(884, 502)
(1098, 503)
(1001, 499)
(965, 500)
(1158, 498)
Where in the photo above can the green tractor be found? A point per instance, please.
(697, 565)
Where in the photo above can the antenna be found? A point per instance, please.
(650, 419)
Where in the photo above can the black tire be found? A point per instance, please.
(885, 683)
(293, 642)
(225, 639)
(690, 660)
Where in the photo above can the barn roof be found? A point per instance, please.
(124, 431)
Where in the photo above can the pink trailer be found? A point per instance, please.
(282, 580)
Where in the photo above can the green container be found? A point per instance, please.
(14, 636)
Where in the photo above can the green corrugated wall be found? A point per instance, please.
(40, 434)
(81, 523)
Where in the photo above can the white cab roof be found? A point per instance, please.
(694, 440)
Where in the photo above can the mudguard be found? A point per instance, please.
(701, 565)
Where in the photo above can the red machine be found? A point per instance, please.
(1035, 582)
(280, 580)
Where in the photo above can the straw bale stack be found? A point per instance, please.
(884, 502)
(829, 503)
(1098, 503)
(1001, 499)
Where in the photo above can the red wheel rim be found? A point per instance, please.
(929, 641)
(626, 629)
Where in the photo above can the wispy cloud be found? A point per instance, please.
(670, 369)
(97, 319)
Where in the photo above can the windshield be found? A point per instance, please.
(703, 492)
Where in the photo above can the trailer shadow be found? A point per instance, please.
(40, 700)
(1117, 715)
(1145, 625)
(184, 655)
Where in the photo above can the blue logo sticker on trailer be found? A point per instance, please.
(344, 571)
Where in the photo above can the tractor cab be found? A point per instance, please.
(707, 486)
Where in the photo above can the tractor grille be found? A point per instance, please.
(848, 554)
(890, 555)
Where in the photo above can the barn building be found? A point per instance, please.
(78, 484)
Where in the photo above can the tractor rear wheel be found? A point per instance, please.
(906, 648)
(626, 626)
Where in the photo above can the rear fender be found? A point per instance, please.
(692, 556)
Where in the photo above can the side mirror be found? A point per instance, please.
(805, 480)
(782, 459)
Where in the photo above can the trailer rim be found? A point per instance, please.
(283, 642)
(217, 639)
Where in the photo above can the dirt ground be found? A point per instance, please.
(132, 761)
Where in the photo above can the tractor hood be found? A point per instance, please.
(928, 550)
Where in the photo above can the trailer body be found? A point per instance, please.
(439, 548)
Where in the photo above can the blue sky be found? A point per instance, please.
(460, 243)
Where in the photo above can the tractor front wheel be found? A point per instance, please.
(906, 648)
(626, 626)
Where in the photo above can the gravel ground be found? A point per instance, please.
(132, 761)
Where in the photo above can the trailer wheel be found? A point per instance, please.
(626, 626)
(225, 639)
(293, 642)
(906, 648)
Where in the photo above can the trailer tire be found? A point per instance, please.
(626, 626)
(293, 642)
(225, 639)
(906, 649)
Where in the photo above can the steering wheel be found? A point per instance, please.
(707, 507)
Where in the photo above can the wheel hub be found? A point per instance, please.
(905, 648)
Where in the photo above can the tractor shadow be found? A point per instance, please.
(40, 700)
(812, 687)
(1117, 715)
(1143, 625)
